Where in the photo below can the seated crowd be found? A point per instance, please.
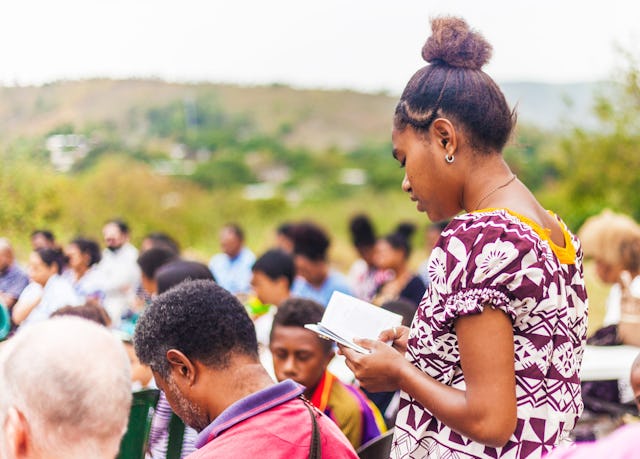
(260, 382)
(285, 288)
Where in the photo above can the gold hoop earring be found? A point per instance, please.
(449, 158)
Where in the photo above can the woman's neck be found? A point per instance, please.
(80, 271)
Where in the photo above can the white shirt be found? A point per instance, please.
(57, 293)
(119, 275)
(612, 305)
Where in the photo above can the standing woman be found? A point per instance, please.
(493, 354)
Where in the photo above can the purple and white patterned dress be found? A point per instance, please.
(498, 258)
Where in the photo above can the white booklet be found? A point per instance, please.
(347, 317)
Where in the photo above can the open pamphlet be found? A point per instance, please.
(347, 317)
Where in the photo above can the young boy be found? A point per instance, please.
(303, 356)
(272, 276)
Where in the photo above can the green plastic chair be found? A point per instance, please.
(5, 322)
(176, 437)
(135, 440)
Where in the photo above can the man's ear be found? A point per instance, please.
(182, 368)
(17, 434)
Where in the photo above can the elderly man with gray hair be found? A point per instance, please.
(65, 391)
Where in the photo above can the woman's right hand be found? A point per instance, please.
(397, 336)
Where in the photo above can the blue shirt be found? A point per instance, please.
(334, 281)
(233, 274)
(13, 281)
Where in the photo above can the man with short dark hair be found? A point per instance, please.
(201, 346)
(118, 270)
(42, 239)
(232, 267)
(316, 280)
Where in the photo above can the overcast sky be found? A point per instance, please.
(360, 44)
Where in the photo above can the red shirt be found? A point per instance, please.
(272, 423)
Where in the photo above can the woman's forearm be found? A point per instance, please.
(22, 309)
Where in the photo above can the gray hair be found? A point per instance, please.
(71, 380)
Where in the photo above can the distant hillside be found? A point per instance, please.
(555, 106)
(316, 119)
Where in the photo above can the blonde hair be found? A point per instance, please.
(613, 239)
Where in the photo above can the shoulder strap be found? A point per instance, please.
(315, 450)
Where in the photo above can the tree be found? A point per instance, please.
(599, 168)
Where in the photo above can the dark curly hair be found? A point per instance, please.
(297, 312)
(400, 239)
(88, 247)
(151, 260)
(311, 241)
(453, 85)
(276, 263)
(362, 232)
(200, 319)
(52, 257)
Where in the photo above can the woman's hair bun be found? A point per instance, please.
(452, 42)
(405, 229)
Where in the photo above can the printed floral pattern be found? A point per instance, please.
(494, 258)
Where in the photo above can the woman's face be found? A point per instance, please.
(388, 257)
(428, 177)
(39, 272)
(76, 258)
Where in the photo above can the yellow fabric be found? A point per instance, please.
(566, 255)
(346, 411)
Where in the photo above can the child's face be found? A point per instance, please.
(139, 373)
(267, 290)
(298, 354)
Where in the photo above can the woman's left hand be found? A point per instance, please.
(378, 371)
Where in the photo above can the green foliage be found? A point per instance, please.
(223, 171)
(599, 169)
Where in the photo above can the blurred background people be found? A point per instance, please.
(158, 239)
(45, 266)
(272, 276)
(315, 279)
(284, 237)
(392, 252)
(42, 239)
(364, 276)
(613, 242)
(232, 267)
(83, 256)
(66, 392)
(119, 271)
(150, 261)
(12, 279)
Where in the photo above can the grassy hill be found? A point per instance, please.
(316, 119)
(311, 118)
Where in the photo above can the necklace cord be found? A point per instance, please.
(507, 183)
